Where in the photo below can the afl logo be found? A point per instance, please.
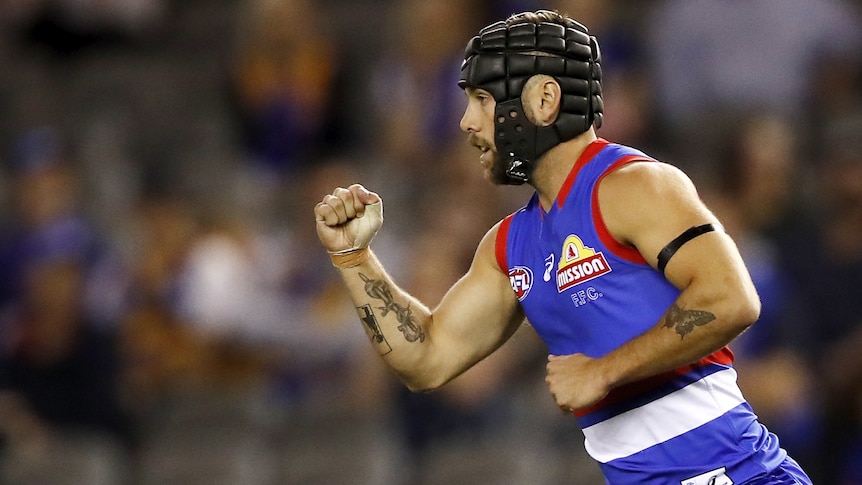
(521, 279)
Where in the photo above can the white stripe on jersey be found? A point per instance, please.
(667, 417)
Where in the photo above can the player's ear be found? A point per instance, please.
(541, 98)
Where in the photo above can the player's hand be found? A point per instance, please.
(574, 381)
(348, 218)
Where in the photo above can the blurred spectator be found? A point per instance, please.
(48, 340)
(67, 27)
(757, 197)
(159, 353)
(762, 171)
(713, 58)
(285, 80)
(823, 258)
(59, 377)
(200, 316)
(236, 305)
(58, 311)
(187, 387)
(47, 219)
(227, 288)
(45, 215)
(417, 102)
(617, 25)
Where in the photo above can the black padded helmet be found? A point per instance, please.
(506, 54)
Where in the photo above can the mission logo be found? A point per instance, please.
(578, 264)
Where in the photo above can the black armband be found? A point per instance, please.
(692, 232)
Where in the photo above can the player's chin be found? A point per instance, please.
(496, 175)
(494, 178)
(490, 177)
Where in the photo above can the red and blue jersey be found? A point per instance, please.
(585, 292)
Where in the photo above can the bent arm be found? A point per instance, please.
(427, 348)
(647, 205)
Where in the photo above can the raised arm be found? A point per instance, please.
(647, 205)
(426, 348)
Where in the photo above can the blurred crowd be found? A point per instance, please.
(168, 317)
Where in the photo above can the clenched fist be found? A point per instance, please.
(348, 219)
(574, 382)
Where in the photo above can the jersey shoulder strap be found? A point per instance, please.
(501, 242)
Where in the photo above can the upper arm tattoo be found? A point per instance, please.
(684, 321)
(380, 290)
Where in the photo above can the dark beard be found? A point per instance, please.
(498, 171)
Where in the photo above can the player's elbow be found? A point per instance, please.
(426, 379)
(751, 312)
(420, 388)
(743, 311)
(423, 384)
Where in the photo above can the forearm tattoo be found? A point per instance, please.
(372, 329)
(684, 321)
(380, 290)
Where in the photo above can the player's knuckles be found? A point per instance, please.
(319, 210)
(322, 210)
(335, 216)
(330, 217)
(554, 387)
(336, 204)
(344, 195)
(357, 188)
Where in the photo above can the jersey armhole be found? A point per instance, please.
(500, 243)
(619, 249)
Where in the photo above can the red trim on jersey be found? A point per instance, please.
(723, 356)
(588, 154)
(622, 250)
(500, 243)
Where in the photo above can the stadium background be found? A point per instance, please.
(167, 316)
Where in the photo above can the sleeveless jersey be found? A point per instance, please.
(584, 292)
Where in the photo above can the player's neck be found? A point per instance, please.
(555, 165)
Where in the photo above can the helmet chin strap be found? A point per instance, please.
(516, 141)
(518, 171)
